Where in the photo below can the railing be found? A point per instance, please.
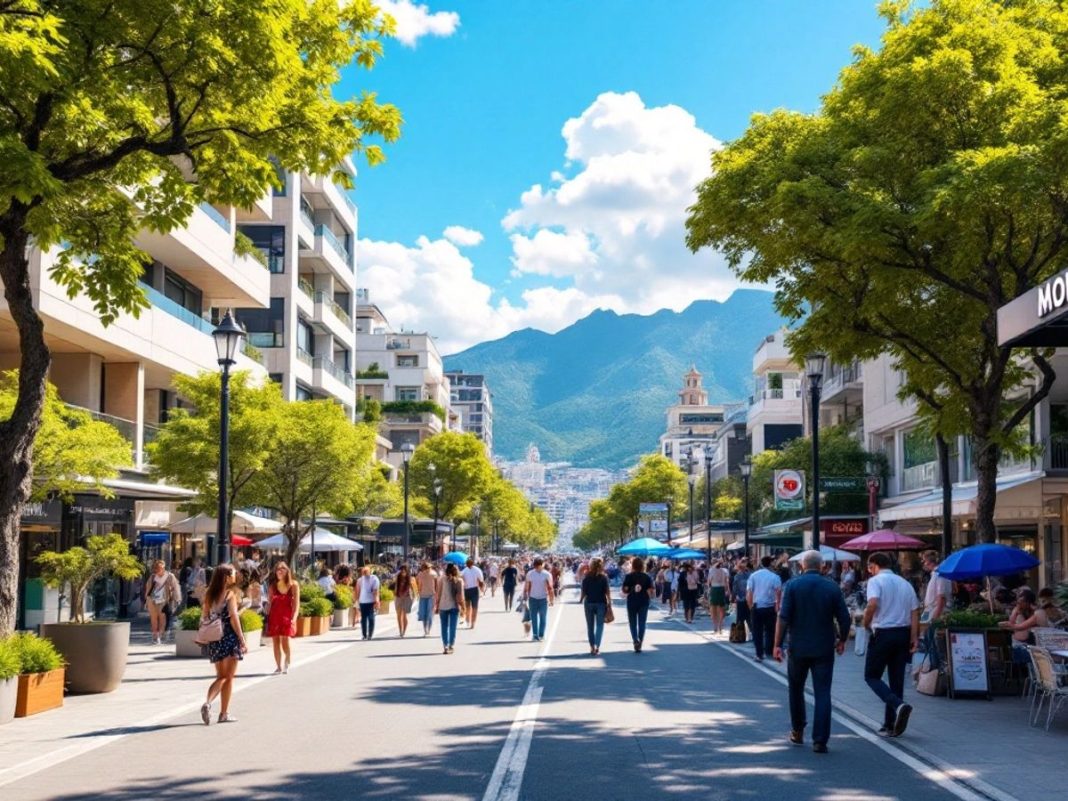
(398, 344)
(789, 393)
(919, 476)
(345, 197)
(304, 356)
(335, 307)
(1057, 450)
(266, 339)
(151, 432)
(276, 262)
(341, 374)
(163, 303)
(128, 428)
(306, 213)
(306, 288)
(216, 216)
(336, 244)
(838, 378)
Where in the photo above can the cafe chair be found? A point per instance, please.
(1047, 687)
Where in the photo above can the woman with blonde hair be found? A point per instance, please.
(220, 603)
(283, 607)
(596, 599)
(162, 596)
(448, 604)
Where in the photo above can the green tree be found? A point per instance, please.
(78, 567)
(122, 115)
(462, 467)
(928, 191)
(73, 451)
(605, 525)
(376, 495)
(186, 450)
(314, 465)
(656, 480)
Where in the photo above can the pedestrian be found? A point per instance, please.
(639, 591)
(343, 576)
(509, 580)
(741, 604)
(596, 598)
(426, 581)
(448, 603)
(494, 577)
(254, 591)
(719, 595)
(403, 590)
(689, 590)
(220, 603)
(892, 618)
(327, 583)
(283, 607)
(814, 617)
(763, 593)
(538, 590)
(162, 596)
(474, 583)
(195, 584)
(368, 588)
(937, 600)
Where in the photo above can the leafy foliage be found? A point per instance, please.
(413, 407)
(10, 664)
(103, 555)
(189, 618)
(250, 620)
(316, 607)
(35, 654)
(343, 596)
(460, 465)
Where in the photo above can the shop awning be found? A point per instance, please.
(1019, 496)
(146, 490)
(780, 540)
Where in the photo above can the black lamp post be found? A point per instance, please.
(814, 364)
(407, 449)
(746, 468)
(708, 502)
(476, 514)
(227, 335)
(496, 537)
(437, 498)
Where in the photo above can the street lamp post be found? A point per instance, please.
(407, 449)
(227, 335)
(708, 502)
(437, 498)
(814, 364)
(692, 481)
(746, 468)
(476, 514)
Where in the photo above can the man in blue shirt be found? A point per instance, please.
(814, 616)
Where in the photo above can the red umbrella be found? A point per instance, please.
(239, 541)
(884, 540)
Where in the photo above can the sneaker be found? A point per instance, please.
(901, 721)
(885, 731)
(819, 748)
(797, 737)
(205, 714)
(227, 718)
(758, 659)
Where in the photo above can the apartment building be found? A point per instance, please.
(776, 408)
(307, 332)
(692, 423)
(472, 400)
(403, 371)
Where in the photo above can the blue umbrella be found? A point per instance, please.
(988, 559)
(458, 558)
(676, 554)
(644, 546)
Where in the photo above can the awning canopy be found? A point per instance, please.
(324, 541)
(1019, 496)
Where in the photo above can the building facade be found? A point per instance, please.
(472, 400)
(692, 423)
(775, 408)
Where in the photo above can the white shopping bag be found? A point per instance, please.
(860, 643)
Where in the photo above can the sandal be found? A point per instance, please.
(227, 718)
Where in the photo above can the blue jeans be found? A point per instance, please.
(367, 620)
(797, 669)
(594, 622)
(636, 618)
(449, 618)
(539, 611)
(426, 612)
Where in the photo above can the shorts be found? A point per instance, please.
(493, 581)
(717, 596)
(471, 596)
(666, 595)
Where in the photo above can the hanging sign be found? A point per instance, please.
(789, 488)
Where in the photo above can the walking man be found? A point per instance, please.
(539, 591)
(892, 617)
(474, 583)
(814, 616)
(763, 593)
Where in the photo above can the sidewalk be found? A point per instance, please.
(157, 687)
(986, 744)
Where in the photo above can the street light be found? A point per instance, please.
(708, 501)
(227, 335)
(691, 479)
(407, 449)
(814, 364)
(437, 498)
(746, 468)
(476, 514)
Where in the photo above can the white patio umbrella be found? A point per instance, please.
(240, 523)
(324, 541)
(830, 554)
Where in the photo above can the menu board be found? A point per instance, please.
(967, 663)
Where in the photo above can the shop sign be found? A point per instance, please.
(789, 488)
(843, 484)
(844, 528)
(652, 509)
(1052, 295)
(92, 508)
(45, 513)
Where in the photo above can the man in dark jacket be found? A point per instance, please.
(814, 616)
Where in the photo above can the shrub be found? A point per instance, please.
(251, 621)
(964, 619)
(10, 664)
(310, 591)
(316, 607)
(36, 654)
(385, 594)
(189, 619)
(343, 597)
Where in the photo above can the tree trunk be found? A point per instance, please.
(986, 457)
(17, 433)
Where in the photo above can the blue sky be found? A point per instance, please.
(487, 87)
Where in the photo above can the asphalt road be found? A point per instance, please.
(502, 719)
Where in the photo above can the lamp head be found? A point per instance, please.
(746, 467)
(407, 449)
(814, 366)
(227, 335)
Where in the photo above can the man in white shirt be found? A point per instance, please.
(539, 591)
(671, 588)
(473, 582)
(763, 593)
(893, 618)
(936, 602)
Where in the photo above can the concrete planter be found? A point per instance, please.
(9, 695)
(184, 647)
(340, 619)
(39, 692)
(95, 653)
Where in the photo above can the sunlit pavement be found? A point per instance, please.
(394, 718)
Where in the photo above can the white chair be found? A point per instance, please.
(1047, 687)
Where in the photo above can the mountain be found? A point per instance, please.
(595, 393)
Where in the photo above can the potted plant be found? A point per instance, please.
(343, 599)
(314, 607)
(252, 626)
(41, 674)
(10, 667)
(95, 652)
(385, 595)
(184, 636)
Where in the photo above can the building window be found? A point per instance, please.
(406, 393)
(303, 393)
(407, 361)
(305, 338)
(275, 377)
(266, 327)
(182, 292)
(271, 240)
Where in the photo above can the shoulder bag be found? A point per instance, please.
(211, 629)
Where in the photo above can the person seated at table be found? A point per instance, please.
(1024, 617)
(1048, 604)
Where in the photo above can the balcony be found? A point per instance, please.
(304, 357)
(335, 244)
(163, 303)
(216, 216)
(332, 378)
(1056, 450)
(843, 385)
(330, 318)
(126, 428)
(920, 476)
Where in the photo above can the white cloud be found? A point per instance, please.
(463, 237)
(552, 253)
(416, 21)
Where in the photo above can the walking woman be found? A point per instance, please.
(448, 604)
(343, 576)
(220, 602)
(403, 597)
(689, 590)
(427, 581)
(596, 598)
(162, 596)
(367, 592)
(283, 606)
(509, 580)
(639, 590)
(719, 595)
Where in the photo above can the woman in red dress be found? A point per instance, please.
(283, 600)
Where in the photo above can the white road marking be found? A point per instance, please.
(93, 742)
(507, 778)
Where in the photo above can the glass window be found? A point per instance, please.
(271, 240)
(407, 361)
(303, 393)
(182, 292)
(305, 338)
(270, 321)
(919, 449)
(406, 393)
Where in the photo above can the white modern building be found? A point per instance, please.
(775, 407)
(472, 400)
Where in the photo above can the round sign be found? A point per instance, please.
(788, 484)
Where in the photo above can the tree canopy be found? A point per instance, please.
(930, 189)
(462, 467)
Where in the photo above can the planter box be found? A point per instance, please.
(184, 647)
(383, 607)
(39, 692)
(95, 653)
(9, 695)
(320, 625)
(304, 627)
(340, 619)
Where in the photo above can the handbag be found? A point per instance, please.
(738, 633)
(521, 607)
(211, 629)
(609, 615)
(930, 680)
